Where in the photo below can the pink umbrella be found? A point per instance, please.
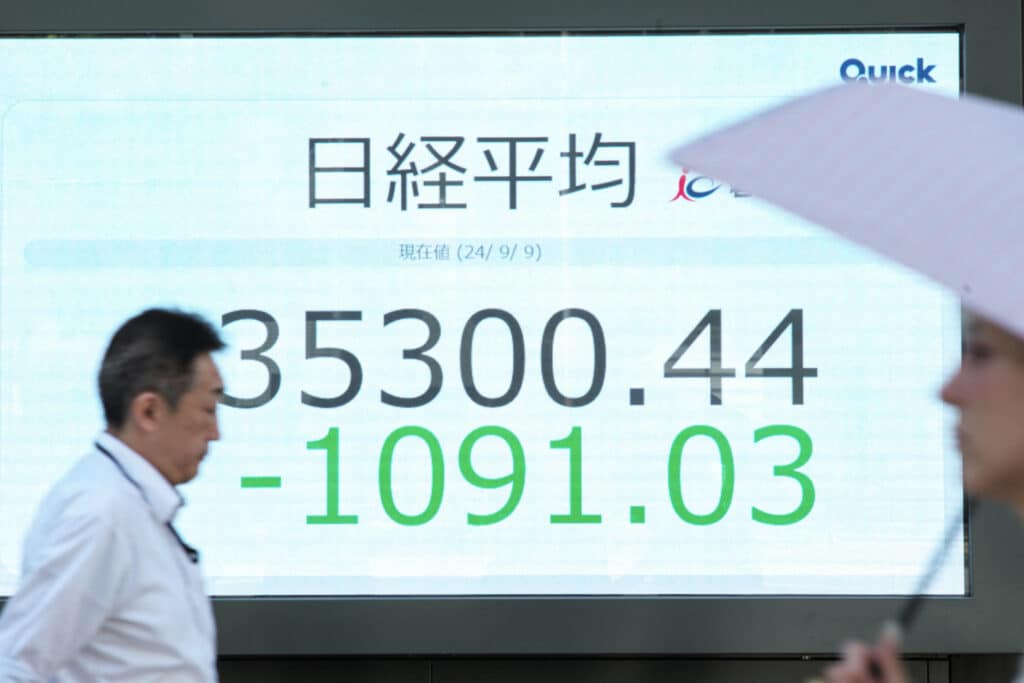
(933, 182)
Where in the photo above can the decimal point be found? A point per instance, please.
(636, 397)
(637, 514)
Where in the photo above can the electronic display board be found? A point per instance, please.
(484, 339)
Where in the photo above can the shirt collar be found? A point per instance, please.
(163, 499)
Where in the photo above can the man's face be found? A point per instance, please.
(988, 390)
(186, 431)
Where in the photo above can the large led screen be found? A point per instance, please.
(484, 338)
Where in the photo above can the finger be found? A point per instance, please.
(853, 667)
(886, 654)
(857, 656)
(844, 673)
(891, 636)
(889, 664)
(836, 673)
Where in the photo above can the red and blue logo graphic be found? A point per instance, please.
(695, 187)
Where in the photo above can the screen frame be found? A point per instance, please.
(600, 625)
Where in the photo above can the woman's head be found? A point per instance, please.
(988, 391)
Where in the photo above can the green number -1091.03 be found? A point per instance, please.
(515, 480)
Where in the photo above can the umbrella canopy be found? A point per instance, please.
(933, 182)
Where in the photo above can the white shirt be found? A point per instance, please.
(107, 593)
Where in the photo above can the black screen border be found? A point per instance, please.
(609, 626)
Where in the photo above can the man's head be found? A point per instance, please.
(160, 389)
(988, 390)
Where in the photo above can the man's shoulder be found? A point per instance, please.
(86, 511)
(92, 488)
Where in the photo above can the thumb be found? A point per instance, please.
(887, 654)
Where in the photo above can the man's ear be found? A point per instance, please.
(146, 410)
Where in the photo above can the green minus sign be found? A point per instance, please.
(261, 482)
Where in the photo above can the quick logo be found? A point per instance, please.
(854, 69)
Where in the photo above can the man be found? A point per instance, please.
(109, 591)
(988, 392)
